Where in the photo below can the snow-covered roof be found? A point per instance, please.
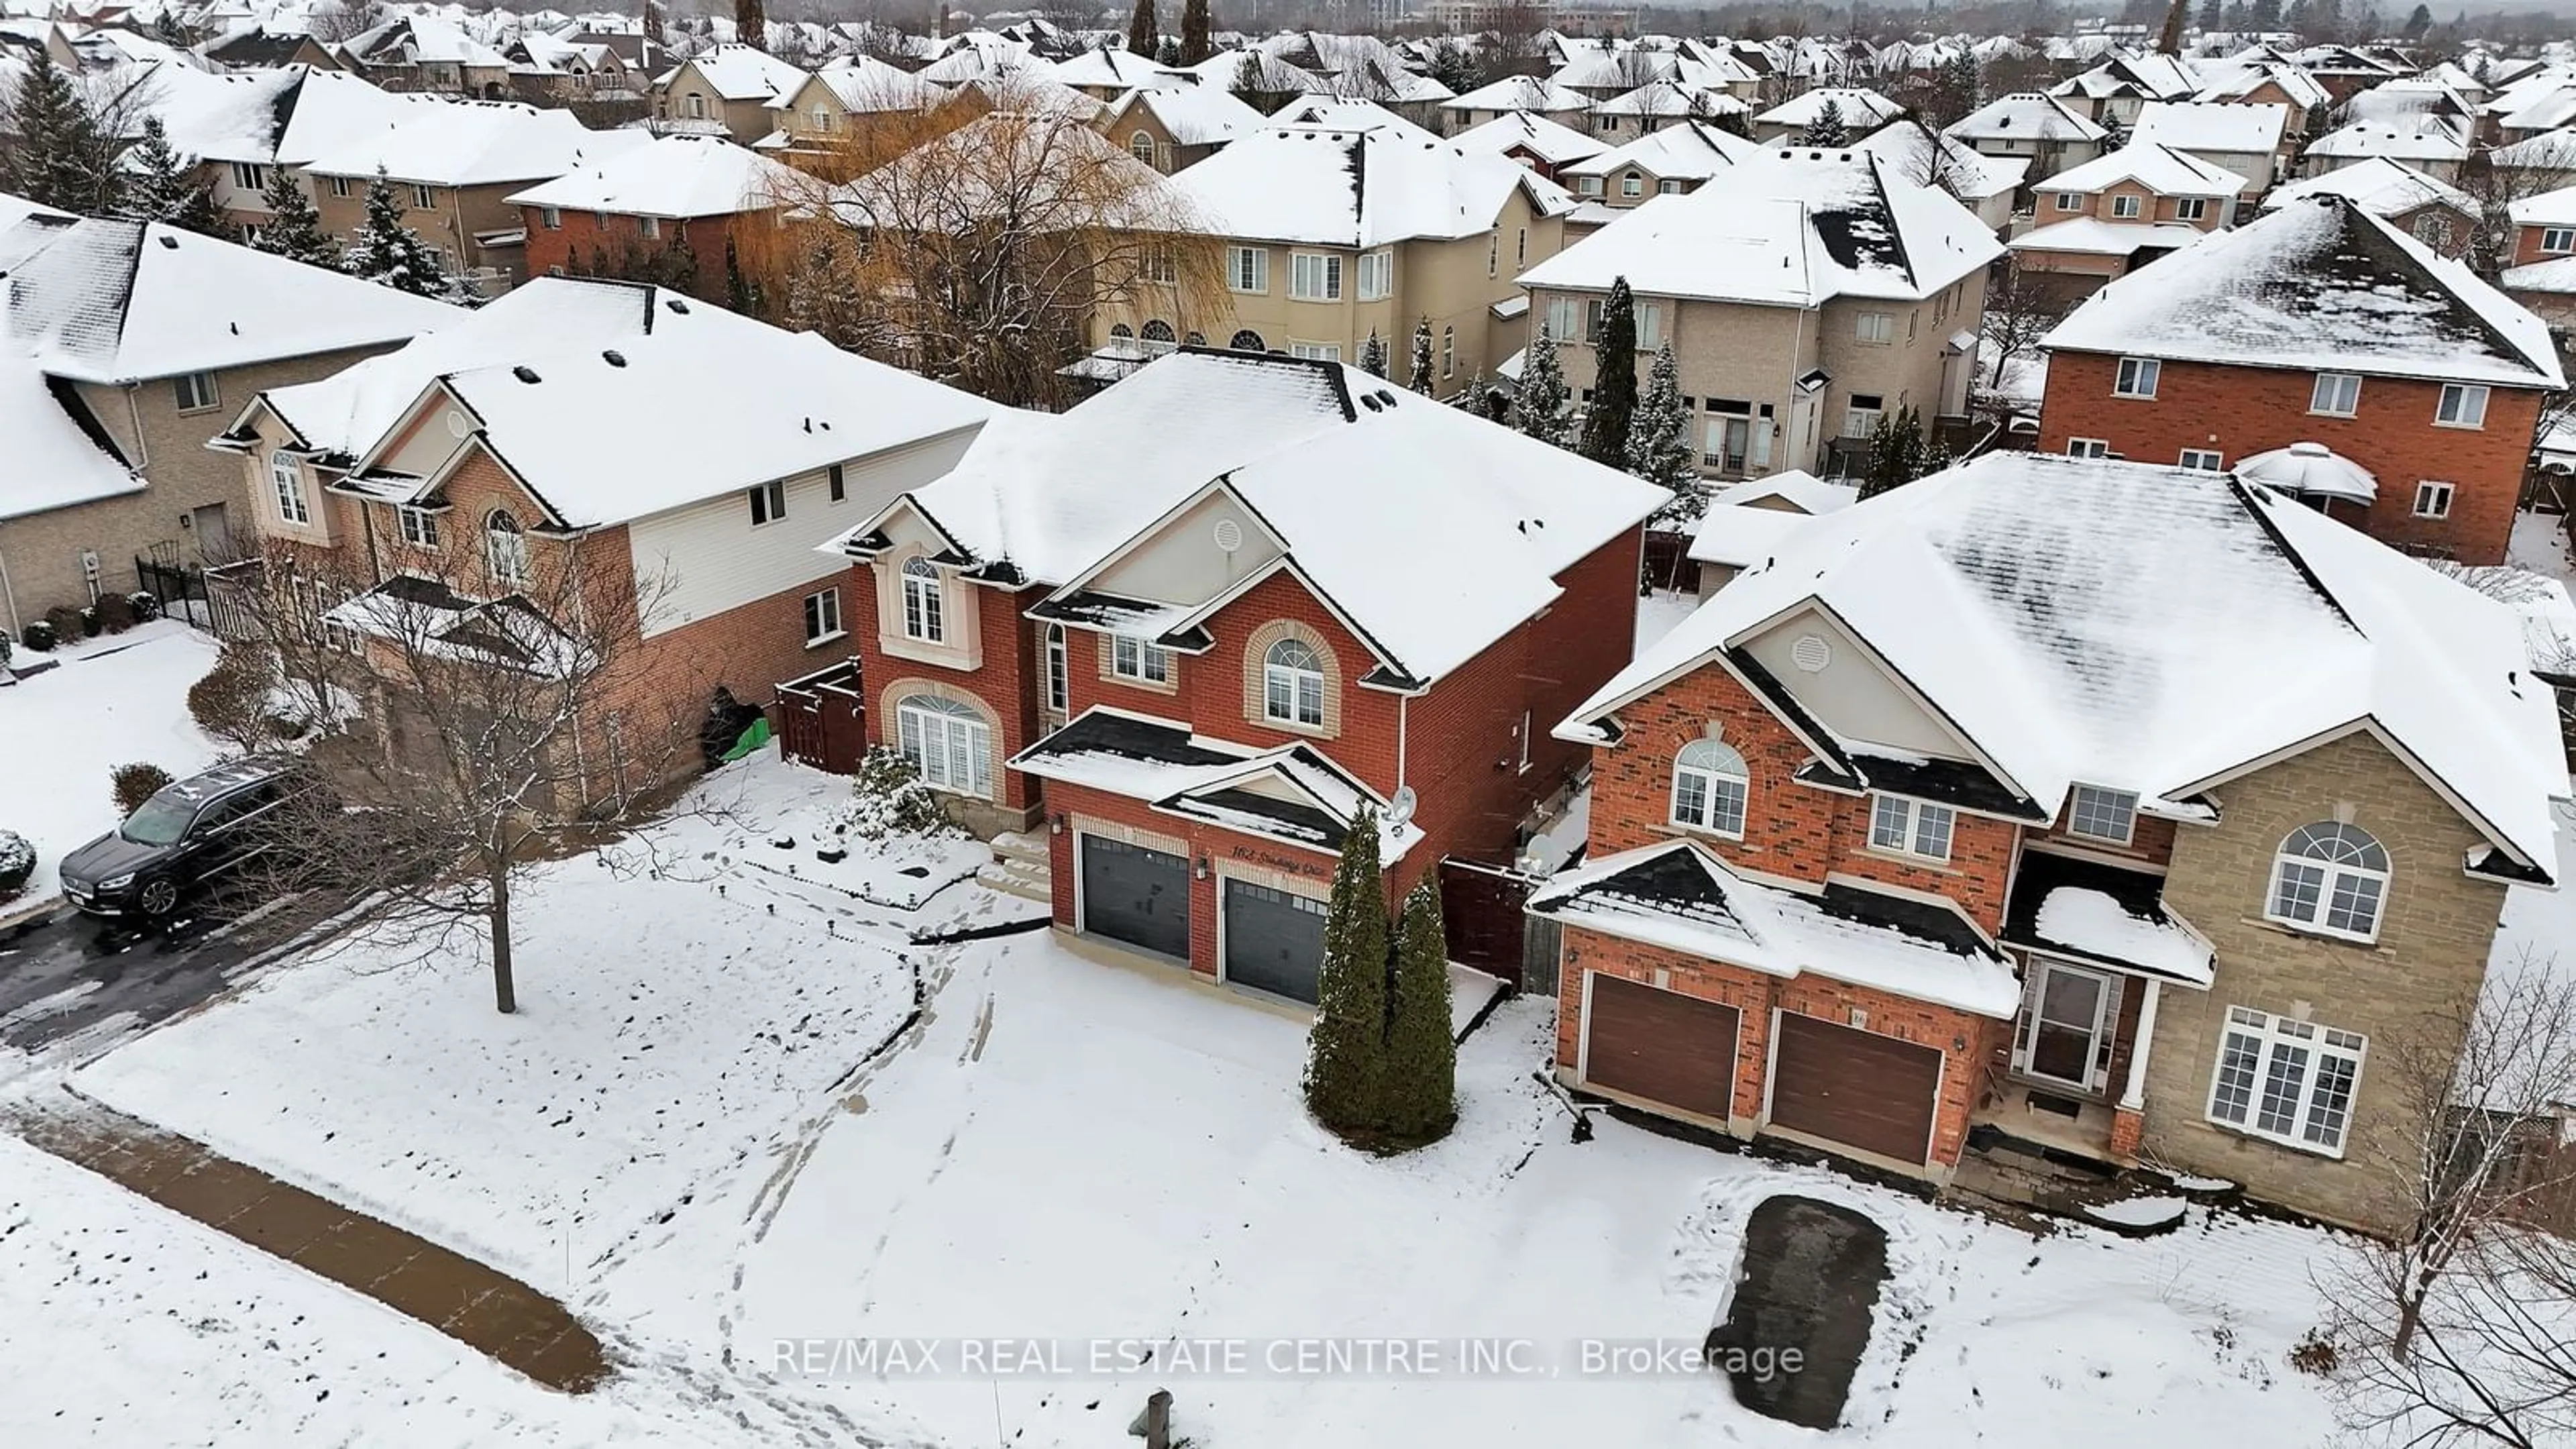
(2378, 185)
(2554, 277)
(54, 460)
(1964, 171)
(1109, 186)
(121, 301)
(563, 376)
(1678, 896)
(740, 73)
(1861, 110)
(1659, 99)
(1690, 151)
(1519, 93)
(865, 85)
(2323, 285)
(285, 116)
(2235, 80)
(2429, 139)
(1270, 75)
(2150, 629)
(1341, 113)
(2225, 128)
(1327, 186)
(1348, 475)
(1115, 66)
(1191, 115)
(1790, 228)
(1745, 522)
(2024, 115)
(672, 176)
(478, 143)
(2548, 151)
(2549, 208)
(1550, 141)
(2107, 914)
(2093, 236)
(2147, 74)
(2160, 168)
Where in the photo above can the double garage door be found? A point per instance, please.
(1274, 941)
(1140, 896)
(1836, 1083)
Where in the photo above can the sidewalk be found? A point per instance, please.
(459, 1297)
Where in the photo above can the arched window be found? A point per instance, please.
(1157, 330)
(1194, 339)
(1248, 340)
(1121, 332)
(2330, 877)
(505, 550)
(1141, 146)
(1292, 684)
(1709, 782)
(1059, 674)
(923, 618)
(948, 742)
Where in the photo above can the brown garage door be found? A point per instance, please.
(1660, 1045)
(1854, 1087)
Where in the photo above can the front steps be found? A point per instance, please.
(1021, 866)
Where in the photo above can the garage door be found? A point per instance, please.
(1660, 1045)
(1854, 1087)
(1273, 941)
(1136, 895)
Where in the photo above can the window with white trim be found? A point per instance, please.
(650, 226)
(505, 550)
(1911, 827)
(1710, 783)
(1059, 674)
(1247, 269)
(1448, 352)
(768, 502)
(2103, 814)
(2124, 208)
(1668, 188)
(1316, 351)
(1588, 186)
(550, 218)
(249, 176)
(1632, 184)
(1861, 414)
(1650, 326)
(340, 187)
(1314, 277)
(195, 391)
(1377, 275)
(2432, 500)
(1141, 146)
(1569, 318)
(1292, 684)
(288, 482)
(2191, 208)
(822, 616)
(2329, 877)
(1874, 326)
(924, 610)
(2137, 377)
(947, 742)
(2207, 460)
(2088, 447)
(2337, 395)
(1139, 659)
(424, 198)
(2558, 238)
(2070, 201)
(2464, 405)
(419, 526)
(2291, 1081)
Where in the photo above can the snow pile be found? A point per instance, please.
(2094, 923)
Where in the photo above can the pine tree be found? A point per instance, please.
(1895, 453)
(1169, 52)
(161, 186)
(1539, 404)
(1476, 397)
(1373, 355)
(294, 228)
(60, 156)
(1144, 29)
(1957, 86)
(1346, 1047)
(1614, 380)
(1420, 1092)
(390, 253)
(751, 22)
(1659, 443)
(1198, 40)
(1420, 379)
(2418, 21)
(1827, 128)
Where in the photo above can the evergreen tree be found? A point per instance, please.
(1539, 404)
(1198, 40)
(1659, 442)
(60, 156)
(294, 228)
(1827, 128)
(390, 253)
(1169, 53)
(1420, 1092)
(1954, 88)
(2212, 17)
(1420, 379)
(1346, 1047)
(751, 22)
(2418, 21)
(1895, 453)
(1373, 355)
(161, 186)
(165, 29)
(1144, 29)
(1614, 380)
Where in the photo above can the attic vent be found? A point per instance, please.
(1811, 653)
(455, 423)
(1370, 401)
(1229, 534)
(171, 242)
(524, 373)
(676, 305)
(613, 357)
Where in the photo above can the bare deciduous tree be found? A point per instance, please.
(345, 21)
(2021, 307)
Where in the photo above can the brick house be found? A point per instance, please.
(2117, 212)
(725, 91)
(1949, 817)
(2541, 271)
(1542, 145)
(471, 467)
(2440, 215)
(126, 346)
(2026, 125)
(2243, 343)
(1806, 295)
(1189, 626)
(684, 195)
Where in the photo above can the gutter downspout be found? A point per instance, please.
(134, 414)
(9, 595)
(1403, 717)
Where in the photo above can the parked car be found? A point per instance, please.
(189, 834)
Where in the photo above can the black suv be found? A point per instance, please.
(188, 834)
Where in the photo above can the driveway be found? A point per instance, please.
(65, 973)
(1812, 1271)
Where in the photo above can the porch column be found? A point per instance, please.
(2133, 1098)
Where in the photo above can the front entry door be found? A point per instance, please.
(2067, 1023)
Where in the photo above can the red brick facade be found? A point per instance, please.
(2241, 411)
(1009, 681)
(585, 243)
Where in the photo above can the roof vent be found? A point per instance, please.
(524, 373)
(169, 241)
(676, 305)
(613, 357)
(1370, 401)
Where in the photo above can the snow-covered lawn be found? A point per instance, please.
(669, 1025)
(2540, 545)
(109, 701)
(1659, 611)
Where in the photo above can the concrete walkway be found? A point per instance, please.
(456, 1295)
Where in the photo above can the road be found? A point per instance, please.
(66, 974)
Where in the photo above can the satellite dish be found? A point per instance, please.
(1399, 810)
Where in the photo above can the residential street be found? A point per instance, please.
(65, 974)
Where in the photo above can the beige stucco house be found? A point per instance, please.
(728, 89)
